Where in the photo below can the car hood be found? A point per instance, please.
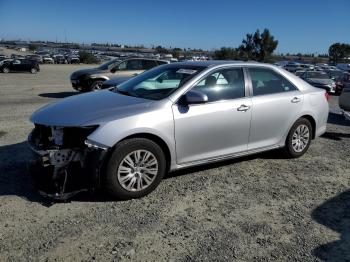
(79, 110)
(88, 71)
(320, 81)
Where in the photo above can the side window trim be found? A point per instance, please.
(251, 90)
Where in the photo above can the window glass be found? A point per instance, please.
(148, 64)
(223, 85)
(161, 62)
(134, 65)
(266, 81)
(122, 66)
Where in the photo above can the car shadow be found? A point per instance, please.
(14, 176)
(335, 214)
(335, 136)
(337, 119)
(58, 94)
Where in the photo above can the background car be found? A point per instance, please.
(93, 78)
(293, 66)
(339, 76)
(48, 60)
(37, 58)
(20, 65)
(171, 117)
(59, 59)
(320, 80)
(73, 59)
(344, 102)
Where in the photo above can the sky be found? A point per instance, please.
(306, 26)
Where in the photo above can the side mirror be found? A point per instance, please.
(193, 97)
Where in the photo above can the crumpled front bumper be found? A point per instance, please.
(62, 173)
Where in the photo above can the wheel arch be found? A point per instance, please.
(156, 139)
(312, 121)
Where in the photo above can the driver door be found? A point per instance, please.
(219, 127)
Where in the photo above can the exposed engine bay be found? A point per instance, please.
(65, 162)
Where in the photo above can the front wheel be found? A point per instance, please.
(33, 70)
(5, 70)
(96, 85)
(299, 138)
(135, 168)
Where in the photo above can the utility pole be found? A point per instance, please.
(65, 36)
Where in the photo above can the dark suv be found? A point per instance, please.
(17, 65)
(92, 79)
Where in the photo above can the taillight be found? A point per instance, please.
(326, 95)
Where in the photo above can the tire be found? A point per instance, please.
(6, 70)
(33, 70)
(115, 172)
(96, 85)
(297, 145)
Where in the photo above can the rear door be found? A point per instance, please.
(130, 67)
(276, 102)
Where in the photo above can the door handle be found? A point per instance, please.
(295, 100)
(243, 108)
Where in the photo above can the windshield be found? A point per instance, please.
(318, 75)
(109, 64)
(159, 82)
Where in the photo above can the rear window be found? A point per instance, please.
(266, 81)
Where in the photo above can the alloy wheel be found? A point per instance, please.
(300, 138)
(137, 170)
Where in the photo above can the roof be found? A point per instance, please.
(212, 63)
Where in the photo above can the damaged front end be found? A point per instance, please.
(65, 162)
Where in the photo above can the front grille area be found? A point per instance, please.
(73, 137)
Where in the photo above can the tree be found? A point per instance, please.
(32, 47)
(176, 52)
(226, 53)
(337, 52)
(258, 46)
(161, 50)
(268, 44)
(87, 58)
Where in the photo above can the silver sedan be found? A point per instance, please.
(127, 138)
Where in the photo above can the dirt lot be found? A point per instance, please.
(258, 208)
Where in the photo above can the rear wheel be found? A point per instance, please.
(96, 85)
(135, 169)
(33, 70)
(299, 138)
(5, 70)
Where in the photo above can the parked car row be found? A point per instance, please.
(330, 78)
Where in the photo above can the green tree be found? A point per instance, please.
(258, 46)
(176, 52)
(87, 58)
(161, 50)
(337, 52)
(226, 53)
(268, 44)
(32, 47)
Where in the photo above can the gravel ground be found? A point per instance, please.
(257, 208)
